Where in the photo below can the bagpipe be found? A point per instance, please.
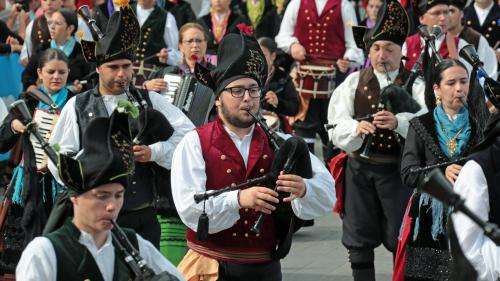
(291, 157)
(395, 99)
(134, 260)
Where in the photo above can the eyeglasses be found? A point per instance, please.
(195, 40)
(239, 92)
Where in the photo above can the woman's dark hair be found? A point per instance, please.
(444, 65)
(269, 44)
(70, 17)
(50, 55)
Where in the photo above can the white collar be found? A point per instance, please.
(381, 76)
(483, 11)
(235, 136)
(88, 240)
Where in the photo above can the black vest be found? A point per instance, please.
(139, 192)
(151, 35)
(75, 262)
(489, 162)
(491, 25)
(384, 142)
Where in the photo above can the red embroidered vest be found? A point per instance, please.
(414, 48)
(321, 35)
(225, 166)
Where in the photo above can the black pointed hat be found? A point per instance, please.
(107, 155)
(122, 36)
(422, 6)
(393, 24)
(239, 56)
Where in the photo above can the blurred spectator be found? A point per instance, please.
(181, 10)
(263, 17)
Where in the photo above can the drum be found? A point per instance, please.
(315, 81)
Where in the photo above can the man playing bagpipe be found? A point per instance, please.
(85, 248)
(231, 152)
(370, 113)
(157, 131)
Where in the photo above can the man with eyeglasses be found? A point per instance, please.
(230, 150)
(431, 13)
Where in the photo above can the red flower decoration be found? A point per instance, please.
(245, 29)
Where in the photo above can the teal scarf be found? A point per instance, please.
(67, 48)
(448, 130)
(59, 98)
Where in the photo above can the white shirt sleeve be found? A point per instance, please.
(171, 38)
(66, 135)
(188, 178)
(161, 152)
(155, 259)
(483, 254)
(320, 193)
(285, 37)
(340, 113)
(38, 261)
(352, 51)
(418, 94)
(488, 57)
(26, 49)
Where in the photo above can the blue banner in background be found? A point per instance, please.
(10, 78)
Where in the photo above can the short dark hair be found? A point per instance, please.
(70, 17)
(444, 65)
(50, 55)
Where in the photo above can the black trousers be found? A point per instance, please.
(144, 223)
(375, 201)
(270, 271)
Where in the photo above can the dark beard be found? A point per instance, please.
(233, 120)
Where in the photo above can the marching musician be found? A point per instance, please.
(114, 54)
(312, 34)
(374, 196)
(230, 150)
(484, 16)
(159, 34)
(447, 132)
(34, 190)
(478, 184)
(83, 248)
(193, 48)
(281, 96)
(220, 22)
(433, 13)
(485, 52)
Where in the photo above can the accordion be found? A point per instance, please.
(45, 122)
(193, 98)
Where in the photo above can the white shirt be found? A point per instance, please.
(482, 253)
(39, 262)
(170, 34)
(3, 110)
(189, 178)
(481, 13)
(28, 45)
(205, 8)
(440, 40)
(285, 37)
(66, 132)
(341, 111)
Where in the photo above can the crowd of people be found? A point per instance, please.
(142, 138)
